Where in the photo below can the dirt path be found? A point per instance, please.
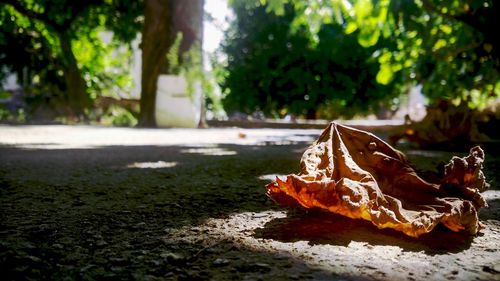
(92, 203)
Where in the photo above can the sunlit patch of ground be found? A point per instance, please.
(72, 137)
(152, 165)
(271, 177)
(355, 248)
(214, 151)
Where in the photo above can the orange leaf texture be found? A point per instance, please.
(353, 173)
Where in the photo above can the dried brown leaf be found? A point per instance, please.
(355, 174)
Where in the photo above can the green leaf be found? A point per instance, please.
(446, 28)
(368, 37)
(351, 27)
(385, 57)
(276, 6)
(439, 44)
(385, 74)
(363, 9)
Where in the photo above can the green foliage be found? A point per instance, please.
(30, 44)
(105, 66)
(173, 58)
(214, 95)
(439, 48)
(8, 116)
(117, 116)
(450, 47)
(5, 95)
(28, 49)
(279, 66)
(188, 65)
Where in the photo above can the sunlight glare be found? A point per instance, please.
(212, 151)
(152, 165)
(271, 177)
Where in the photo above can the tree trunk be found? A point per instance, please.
(77, 91)
(156, 39)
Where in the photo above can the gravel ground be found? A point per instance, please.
(90, 203)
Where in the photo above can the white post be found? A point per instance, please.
(175, 106)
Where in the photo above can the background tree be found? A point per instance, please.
(59, 20)
(449, 47)
(46, 34)
(279, 66)
(64, 56)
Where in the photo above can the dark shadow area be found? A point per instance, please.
(86, 213)
(203, 181)
(167, 260)
(318, 227)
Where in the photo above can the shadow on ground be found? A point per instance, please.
(106, 212)
(317, 227)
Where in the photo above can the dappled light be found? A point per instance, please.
(152, 165)
(271, 177)
(215, 151)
